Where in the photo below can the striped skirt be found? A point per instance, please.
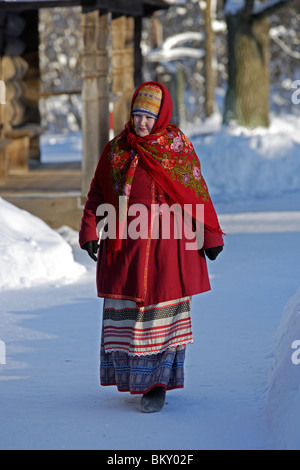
(144, 347)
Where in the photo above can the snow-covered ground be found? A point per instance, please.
(242, 373)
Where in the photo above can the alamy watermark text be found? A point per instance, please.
(296, 354)
(161, 221)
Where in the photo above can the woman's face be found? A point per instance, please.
(143, 124)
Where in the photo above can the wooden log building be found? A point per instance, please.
(58, 194)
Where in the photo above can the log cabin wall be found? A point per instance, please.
(32, 77)
(20, 119)
(13, 68)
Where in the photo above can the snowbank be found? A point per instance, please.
(241, 164)
(283, 396)
(31, 252)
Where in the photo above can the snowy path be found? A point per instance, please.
(49, 392)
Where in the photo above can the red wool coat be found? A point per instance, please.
(146, 271)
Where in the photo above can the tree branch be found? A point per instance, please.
(268, 8)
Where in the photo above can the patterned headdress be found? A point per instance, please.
(148, 100)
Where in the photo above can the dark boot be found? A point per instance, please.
(153, 401)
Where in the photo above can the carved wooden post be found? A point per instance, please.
(90, 105)
(103, 82)
(128, 66)
(95, 100)
(122, 35)
(118, 38)
(138, 57)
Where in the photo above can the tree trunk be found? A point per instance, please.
(247, 98)
(209, 72)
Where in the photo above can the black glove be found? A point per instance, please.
(91, 247)
(212, 253)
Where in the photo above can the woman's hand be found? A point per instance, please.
(212, 253)
(91, 247)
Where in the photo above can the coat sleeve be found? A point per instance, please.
(88, 229)
(212, 239)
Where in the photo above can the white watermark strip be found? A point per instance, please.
(2, 353)
(2, 92)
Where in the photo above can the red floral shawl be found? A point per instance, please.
(167, 155)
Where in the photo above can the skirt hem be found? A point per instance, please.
(134, 392)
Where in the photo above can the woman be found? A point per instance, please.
(147, 279)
